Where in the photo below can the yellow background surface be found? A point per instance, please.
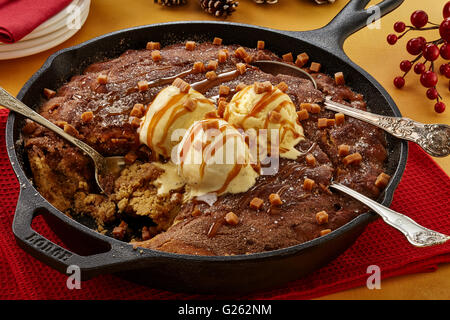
(368, 48)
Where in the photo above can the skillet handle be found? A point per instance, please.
(115, 258)
(350, 19)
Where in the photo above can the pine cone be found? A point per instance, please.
(170, 3)
(219, 8)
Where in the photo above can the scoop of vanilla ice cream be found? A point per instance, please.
(168, 117)
(271, 109)
(214, 158)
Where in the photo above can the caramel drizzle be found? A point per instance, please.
(157, 117)
(188, 144)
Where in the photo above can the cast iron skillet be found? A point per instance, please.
(97, 254)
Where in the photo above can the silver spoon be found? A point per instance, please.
(416, 234)
(433, 138)
(106, 168)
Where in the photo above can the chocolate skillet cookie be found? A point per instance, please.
(117, 108)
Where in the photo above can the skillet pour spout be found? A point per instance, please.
(97, 254)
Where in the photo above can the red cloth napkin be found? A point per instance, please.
(19, 17)
(423, 194)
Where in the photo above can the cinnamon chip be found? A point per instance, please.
(102, 79)
(138, 110)
(306, 106)
(241, 67)
(339, 78)
(288, 57)
(261, 87)
(354, 158)
(136, 122)
(315, 108)
(315, 67)
(382, 180)
(322, 123)
(343, 150)
(325, 231)
(198, 67)
(212, 65)
(240, 86)
(322, 217)
(130, 157)
(182, 85)
(241, 53)
(231, 218)
(302, 59)
(142, 85)
(256, 203)
(302, 115)
(87, 116)
(217, 41)
(71, 130)
(260, 45)
(224, 90)
(221, 108)
(211, 75)
(308, 184)
(196, 211)
(153, 45)
(222, 56)
(331, 122)
(310, 160)
(156, 55)
(189, 104)
(282, 86)
(190, 45)
(275, 200)
(48, 93)
(340, 118)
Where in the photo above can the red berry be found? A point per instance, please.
(447, 72)
(446, 10)
(419, 68)
(444, 29)
(428, 79)
(432, 93)
(419, 18)
(399, 82)
(405, 65)
(391, 39)
(443, 68)
(445, 51)
(399, 26)
(439, 107)
(415, 45)
(430, 52)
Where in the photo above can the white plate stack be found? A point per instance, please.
(49, 34)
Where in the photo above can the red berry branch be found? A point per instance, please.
(426, 52)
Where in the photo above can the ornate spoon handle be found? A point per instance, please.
(433, 138)
(416, 234)
(13, 104)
